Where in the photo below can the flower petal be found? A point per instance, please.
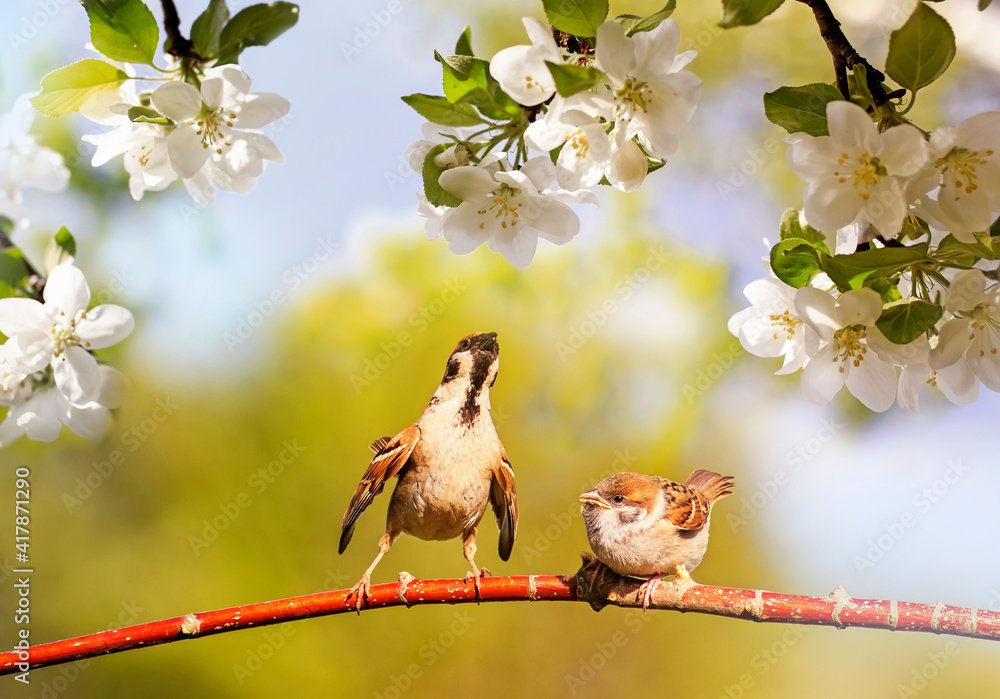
(467, 182)
(873, 382)
(822, 378)
(18, 315)
(187, 152)
(177, 101)
(77, 376)
(104, 326)
(260, 109)
(66, 292)
(953, 342)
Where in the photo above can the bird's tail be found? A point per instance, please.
(711, 484)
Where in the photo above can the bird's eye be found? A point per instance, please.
(619, 498)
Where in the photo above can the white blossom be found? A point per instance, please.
(24, 164)
(771, 326)
(651, 97)
(41, 413)
(60, 331)
(212, 141)
(966, 159)
(957, 382)
(586, 149)
(858, 171)
(521, 70)
(850, 348)
(509, 210)
(974, 330)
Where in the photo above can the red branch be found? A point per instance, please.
(756, 605)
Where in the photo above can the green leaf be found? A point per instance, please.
(950, 249)
(435, 193)
(983, 4)
(61, 249)
(738, 13)
(864, 268)
(467, 79)
(795, 261)
(571, 79)
(792, 227)
(577, 17)
(634, 24)
(65, 89)
(138, 113)
(440, 111)
(66, 242)
(921, 50)
(857, 82)
(464, 45)
(207, 28)
(123, 30)
(13, 269)
(905, 320)
(801, 108)
(257, 25)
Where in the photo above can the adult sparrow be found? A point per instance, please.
(450, 464)
(646, 525)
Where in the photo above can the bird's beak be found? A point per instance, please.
(592, 497)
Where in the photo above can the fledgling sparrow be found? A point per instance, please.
(450, 464)
(641, 525)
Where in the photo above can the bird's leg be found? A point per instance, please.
(598, 568)
(646, 590)
(363, 586)
(469, 548)
(682, 581)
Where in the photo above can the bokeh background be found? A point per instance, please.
(237, 397)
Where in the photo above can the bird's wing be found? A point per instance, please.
(689, 504)
(390, 457)
(503, 498)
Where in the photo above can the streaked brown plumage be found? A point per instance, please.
(450, 465)
(642, 525)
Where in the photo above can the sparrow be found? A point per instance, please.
(641, 525)
(450, 465)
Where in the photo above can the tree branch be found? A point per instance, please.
(180, 45)
(839, 609)
(844, 55)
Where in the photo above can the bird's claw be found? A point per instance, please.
(475, 577)
(362, 589)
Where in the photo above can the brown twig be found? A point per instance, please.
(839, 609)
(844, 55)
(180, 45)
